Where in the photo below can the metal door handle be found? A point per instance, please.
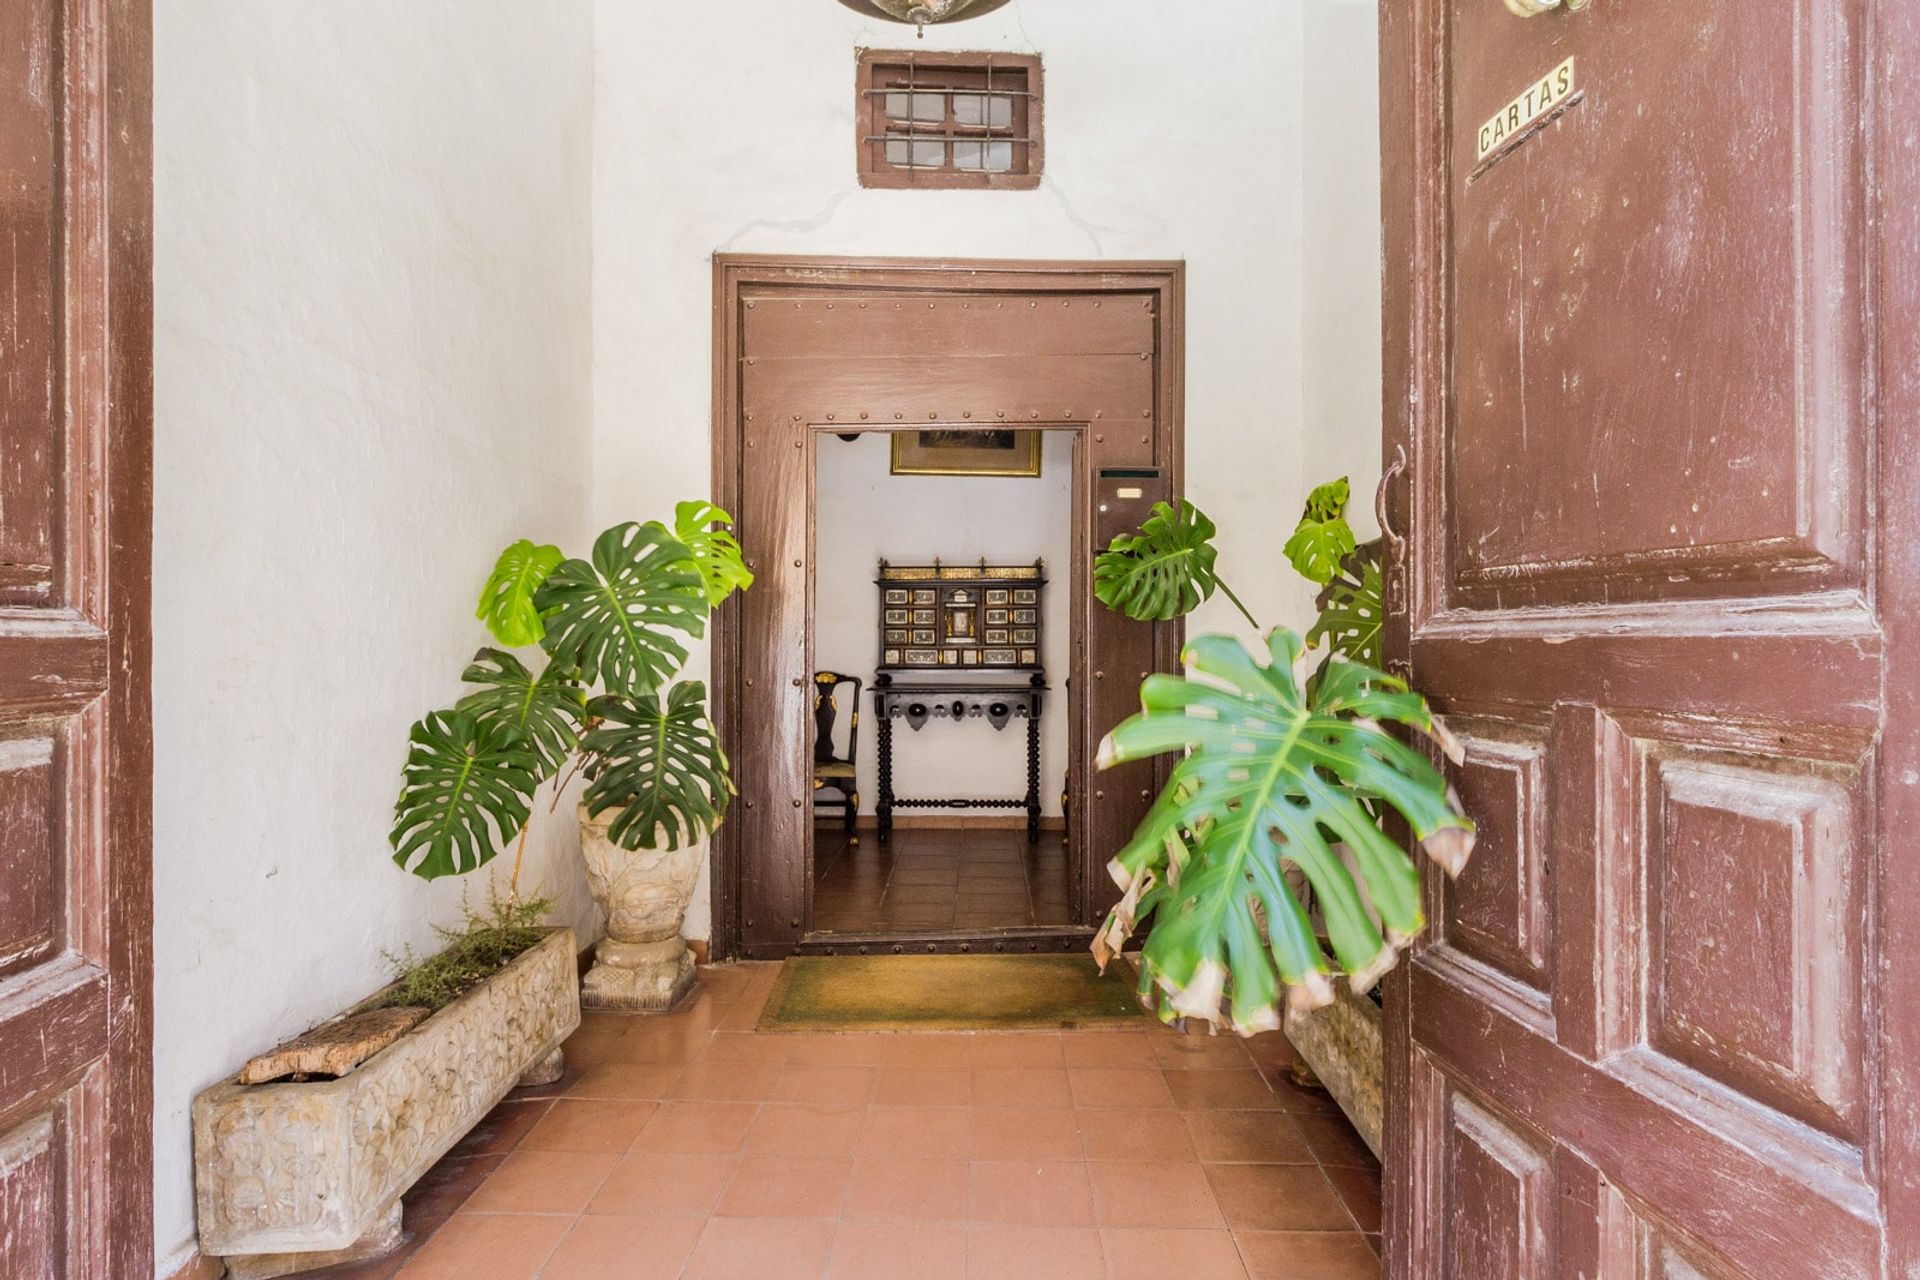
(1396, 544)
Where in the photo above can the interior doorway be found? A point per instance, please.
(878, 373)
(942, 572)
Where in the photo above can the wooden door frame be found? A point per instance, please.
(735, 273)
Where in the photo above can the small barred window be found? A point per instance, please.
(947, 120)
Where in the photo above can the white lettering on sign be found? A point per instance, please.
(1550, 91)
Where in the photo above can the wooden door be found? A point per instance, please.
(75, 777)
(805, 347)
(1651, 374)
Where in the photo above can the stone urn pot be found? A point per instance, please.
(643, 963)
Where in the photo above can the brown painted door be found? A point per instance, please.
(1651, 483)
(75, 378)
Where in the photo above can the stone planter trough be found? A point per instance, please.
(317, 1168)
(1342, 1044)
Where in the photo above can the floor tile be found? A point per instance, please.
(1247, 1137)
(663, 1184)
(480, 1246)
(1164, 1254)
(1334, 1142)
(588, 1125)
(1307, 1255)
(916, 1133)
(542, 1182)
(697, 1127)
(1034, 1193)
(1116, 1134)
(633, 1081)
(624, 1249)
(762, 1249)
(924, 1087)
(1244, 1090)
(709, 1081)
(895, 1251)
(1001, 1133)
(907, 1191)
(1031, 1050)
(1359, 1190)
(841, 1085)
(1033, 1253)
(1021, 1087)
(784, 1187)
(1128, 1193)
(1277, 1197)
(1136, 1089)
(798, 1129)
(1108, 1049)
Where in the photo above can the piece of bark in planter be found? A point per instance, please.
(336, 1048)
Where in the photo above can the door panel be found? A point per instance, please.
(1658, 326)
(75, 772)
(1633, 373)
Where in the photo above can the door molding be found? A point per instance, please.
(1164, 282)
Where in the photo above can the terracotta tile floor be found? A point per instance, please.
(688, 1145)
(934, 878)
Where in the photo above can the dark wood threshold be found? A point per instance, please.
(928, 942)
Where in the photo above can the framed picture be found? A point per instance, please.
(953, 452)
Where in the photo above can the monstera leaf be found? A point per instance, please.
(614, 618)
(546, 709)
(506, 602)
(1163, 571)
(1353, 609)
(716, 552)
(1271, 776)
(660, 764)
(1323, 537)
(467, 789)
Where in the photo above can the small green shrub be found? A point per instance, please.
(483, 946)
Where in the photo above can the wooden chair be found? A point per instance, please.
(829, 770)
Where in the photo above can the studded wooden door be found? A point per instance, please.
(810, 347)
(75, 404)
(1651, 434)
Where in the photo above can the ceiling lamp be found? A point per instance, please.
(921, 12)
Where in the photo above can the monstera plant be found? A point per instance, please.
(1284, 776)
(613, 630)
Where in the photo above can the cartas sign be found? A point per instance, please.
(1550, 91)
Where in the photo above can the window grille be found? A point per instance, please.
(950, 120)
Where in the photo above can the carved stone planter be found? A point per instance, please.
(314, 1168)
(1342, 1044)
(642, 964)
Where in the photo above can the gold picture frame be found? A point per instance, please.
(971, 452)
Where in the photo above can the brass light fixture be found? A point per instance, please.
(922, 12)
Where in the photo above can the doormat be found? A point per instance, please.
(950, 993)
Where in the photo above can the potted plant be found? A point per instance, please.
(1267, 849)
(613, 629)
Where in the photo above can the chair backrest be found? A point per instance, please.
(826, 714)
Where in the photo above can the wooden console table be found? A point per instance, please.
(997, 703)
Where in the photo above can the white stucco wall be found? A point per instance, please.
(1173, 131)
(1340, 341)
(863, 512)
(372, 360)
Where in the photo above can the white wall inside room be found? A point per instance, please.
(373, 251)
(862, 512)
(1173, 131)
